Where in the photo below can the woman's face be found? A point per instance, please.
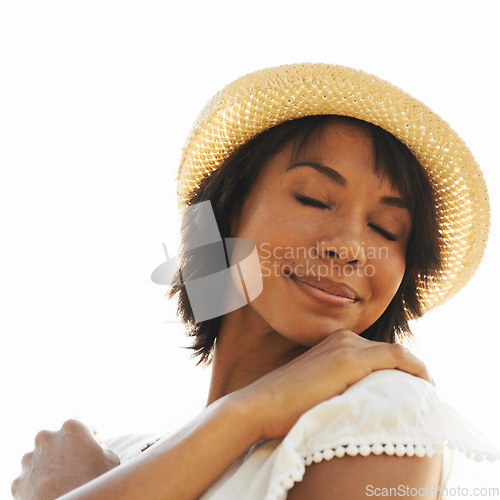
(331, 237)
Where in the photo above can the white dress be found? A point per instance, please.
(389, 411)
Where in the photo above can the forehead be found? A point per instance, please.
(342, 152)
(339, 142)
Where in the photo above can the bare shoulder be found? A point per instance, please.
(353, 478)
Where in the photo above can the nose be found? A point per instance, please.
(345, 250)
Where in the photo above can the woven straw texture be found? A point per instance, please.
(265, 98)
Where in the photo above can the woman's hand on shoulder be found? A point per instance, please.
(277, 400)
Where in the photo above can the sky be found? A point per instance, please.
(96, 101)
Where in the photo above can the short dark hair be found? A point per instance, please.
(228, 186)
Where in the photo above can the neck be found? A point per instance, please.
(244, 354)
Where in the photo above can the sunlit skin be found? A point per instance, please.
(352, 228)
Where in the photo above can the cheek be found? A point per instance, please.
(388, 273)
(279, 238)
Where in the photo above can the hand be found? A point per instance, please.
(62, 461)
(277, 400)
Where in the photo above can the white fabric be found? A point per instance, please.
(388, 412)
(130, 445)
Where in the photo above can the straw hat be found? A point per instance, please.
(265, 98)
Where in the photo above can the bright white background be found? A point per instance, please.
(96, 99)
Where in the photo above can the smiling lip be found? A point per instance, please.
(326, 290)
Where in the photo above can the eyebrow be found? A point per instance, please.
(338, 178)
(394, 201)
(328, 171)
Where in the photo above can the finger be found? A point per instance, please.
(77, 426)
(15, 487)
(395, 356)
(84, 421)
(112, 455)
(26, 460)
(43, 438)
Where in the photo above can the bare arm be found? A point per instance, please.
(352, 478)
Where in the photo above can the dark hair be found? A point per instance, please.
(228, 186)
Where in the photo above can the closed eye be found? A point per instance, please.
(386, 234)
(311, 202)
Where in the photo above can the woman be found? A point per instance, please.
(361, 222)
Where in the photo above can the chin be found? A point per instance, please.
(311, 333)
